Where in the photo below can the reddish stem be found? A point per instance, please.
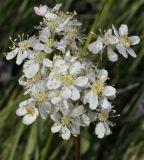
(77, 147)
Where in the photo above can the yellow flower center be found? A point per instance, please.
(125, 41)
(71, 31)
(49, 42)
(30, 110)
(97, 87)
(106, 39)
(40, 56)
(24, 45)
(65, 120)
(51, 24)
(103, 116)
(57, 93)
(67, 79)
(37, 78)
(40, 97)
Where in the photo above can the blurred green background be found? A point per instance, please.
(35, 142)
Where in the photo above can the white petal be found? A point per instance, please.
(55, 100)
(81, 81)
(75, 68)
(75, 94)
(77, 111)
(93, 101)
(75, 129)
(28, 119)
(30, 69)
(52, 94)
(57, 7)
(131, 52)
(96, 46)
(56, 127)
(108, 32)
(112, 56)
(55, 117)
(115, 31)
(53, 84)
(65, 133)
(12, 54)
(105, 104)
(109, 91)
(102, 75)
(46, 48)
(45, 34)
(43, 111)
(107, 129)
(113, 39)
(21, 111)
(85, 119)
(100, 130)
(41, 11)
(86, 97)
(47, 63)
(66, 93)
(20, 57)
(123, 30)
(23, 103)
(134, 40)
(122, 50)
(36, 45)
(50, 16)
(92, 116)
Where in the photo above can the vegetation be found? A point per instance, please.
(37, 142)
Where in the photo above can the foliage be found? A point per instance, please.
(28, 143)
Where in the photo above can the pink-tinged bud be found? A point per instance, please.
(41, 10)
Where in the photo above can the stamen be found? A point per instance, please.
(30, 110)
(67, 79)
(97, 87)
(40, 97)
(125, 41)
(103, 116)
(65, 120)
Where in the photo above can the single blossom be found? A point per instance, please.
(125, 41)
(108, 40)
(68, 121)
(28, 110)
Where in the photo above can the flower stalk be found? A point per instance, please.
(77, 147)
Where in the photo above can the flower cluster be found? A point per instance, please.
(119, 40)
(62, 85)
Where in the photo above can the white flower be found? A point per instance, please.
(39, 94)
(102, 127)
(61, 81)
(19, 49)
(54, 96)
(41, 10)
(66, 79)
(66, 42)
(28, 110)
(38, 46)
(102, 74)
(45, 34)
(106, 41)
(68, 121)
(46, 11)
(99, 92)
(125, 42)
(35, 62)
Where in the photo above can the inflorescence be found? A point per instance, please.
(63, 85)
